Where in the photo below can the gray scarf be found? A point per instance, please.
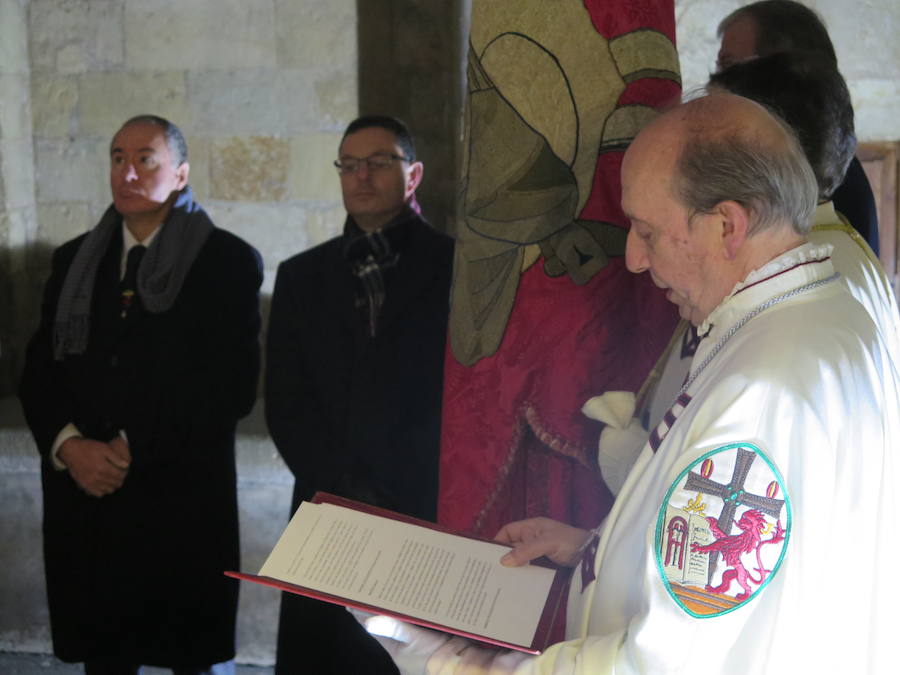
(160, 276)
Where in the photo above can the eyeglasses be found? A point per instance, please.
(348, 165)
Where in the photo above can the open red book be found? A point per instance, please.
(352, 554)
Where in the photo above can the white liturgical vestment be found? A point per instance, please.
(758, 529)
(861, 272)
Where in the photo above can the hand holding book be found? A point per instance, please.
(537, 537)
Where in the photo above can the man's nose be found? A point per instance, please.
(363, 170)
(635, 253)
(130, 174)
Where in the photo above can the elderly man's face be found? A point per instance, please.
(142, 175)
(373, 196)
(679, 258)
(738, 43)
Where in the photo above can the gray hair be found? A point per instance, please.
(174, 137)
(775, 183)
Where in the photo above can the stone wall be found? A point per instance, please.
(18, 223)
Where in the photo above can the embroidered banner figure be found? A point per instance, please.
(544, 312)
(722, 531)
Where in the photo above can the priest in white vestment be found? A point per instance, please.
(809, 93)
(757, 529)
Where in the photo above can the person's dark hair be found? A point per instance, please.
(806, 91)
(783, 25)
(392, 124)
(174, 137)
(772, 179)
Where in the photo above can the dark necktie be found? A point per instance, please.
(128, 285)
(691, 340)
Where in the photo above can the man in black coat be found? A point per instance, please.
(354, 371)
(146, 356)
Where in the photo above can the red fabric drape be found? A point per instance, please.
(514, 442)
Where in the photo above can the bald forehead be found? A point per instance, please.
(140, 123)
(662, 136)
(650, 161)
(655, 153)
(723, 114)
(152, 131)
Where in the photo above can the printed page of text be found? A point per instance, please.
(442, 578)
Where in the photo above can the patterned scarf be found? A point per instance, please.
(160, 275)
(370, 255)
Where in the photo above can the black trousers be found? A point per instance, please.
(323, 639)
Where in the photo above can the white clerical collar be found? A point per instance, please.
(800, 265)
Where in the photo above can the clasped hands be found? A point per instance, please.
(98, 468)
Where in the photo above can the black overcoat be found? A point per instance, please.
(137, 575)
(355, 415)
(350, 414)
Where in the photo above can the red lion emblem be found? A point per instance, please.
(733, 546)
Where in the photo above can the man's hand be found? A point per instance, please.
(535, 537)
(98, 468)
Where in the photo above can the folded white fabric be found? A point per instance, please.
(623, 438)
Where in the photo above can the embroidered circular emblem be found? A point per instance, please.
(722, 530)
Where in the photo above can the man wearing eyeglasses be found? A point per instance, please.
(354, 370)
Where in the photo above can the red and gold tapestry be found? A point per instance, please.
(545, 315)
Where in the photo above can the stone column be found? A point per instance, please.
(412, 65)
(17, 198)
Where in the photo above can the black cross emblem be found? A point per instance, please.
(733, 495)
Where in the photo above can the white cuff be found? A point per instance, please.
(67, 432)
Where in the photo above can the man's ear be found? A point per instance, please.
(735, 226)
(182, 174)
(413, 178)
